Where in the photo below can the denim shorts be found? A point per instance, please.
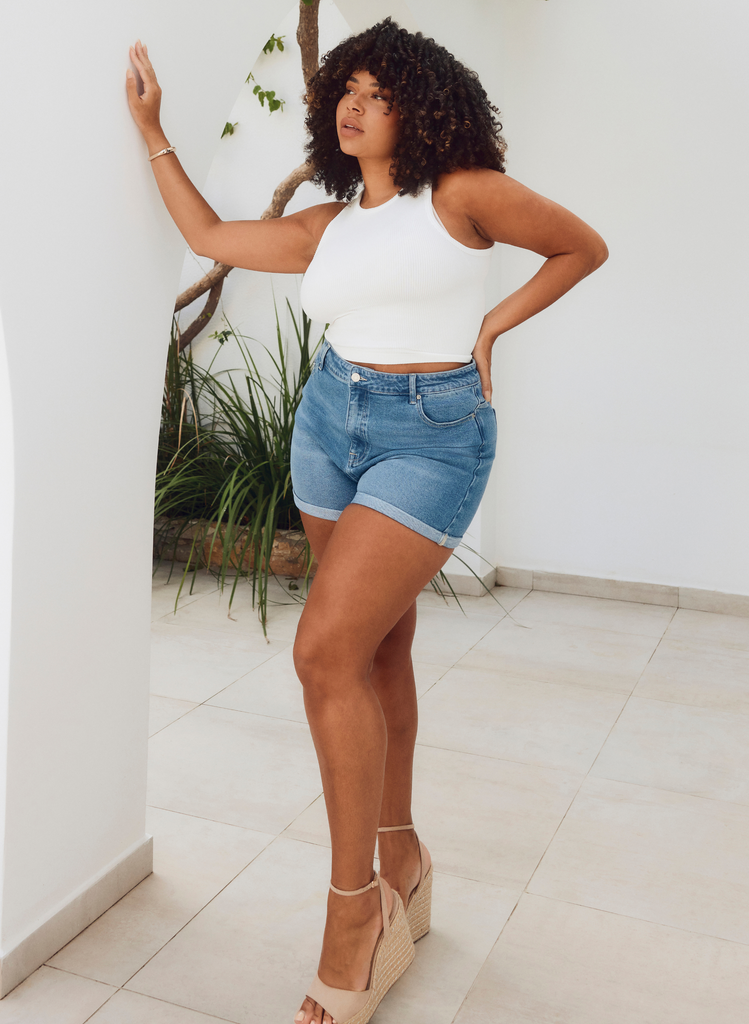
(417, 447)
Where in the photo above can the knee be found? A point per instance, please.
(315, 664)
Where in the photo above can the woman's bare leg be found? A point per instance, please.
(392, 678)
(370, 573)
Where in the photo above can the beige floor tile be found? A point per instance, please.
(193, 860)
(499, 601)
(665, 857)
(213, 612)
(556, 725)
(164, 591)
(443, 634)
(53, 997)
(311, 826)
(595, 613)
(234, 767)
(427, 674)
(467, 918)
(271, 689)
(680, 748)
(131, 1008)
(189, 662)
(602, 659)
(250, 954)
(482, 818)
(561, 964)
(165, 710)
(510, 597)
(487, 819)
(710, 628)
(691, 672)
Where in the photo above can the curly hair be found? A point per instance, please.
(446, 119)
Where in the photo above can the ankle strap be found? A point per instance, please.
(394, 828)
(357, 892)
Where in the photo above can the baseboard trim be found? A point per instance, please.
(468, 585)
(625, 590)
(77, 913)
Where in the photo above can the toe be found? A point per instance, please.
(306, 1014)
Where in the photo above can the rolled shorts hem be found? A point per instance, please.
(392, 512)
(332, 514)
(378, 505)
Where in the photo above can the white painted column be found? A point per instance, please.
(90, 268)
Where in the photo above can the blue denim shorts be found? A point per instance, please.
(417, 447)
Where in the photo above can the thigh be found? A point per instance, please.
(398, 641)
(370, 574)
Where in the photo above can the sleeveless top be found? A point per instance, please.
(395, 286)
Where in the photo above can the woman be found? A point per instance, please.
(395, 435)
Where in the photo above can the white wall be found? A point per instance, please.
(6, 563)
(90, 267)
(623, 420)
(623, 409)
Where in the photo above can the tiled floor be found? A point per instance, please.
(582, 781)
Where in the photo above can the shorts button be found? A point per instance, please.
(355, 376)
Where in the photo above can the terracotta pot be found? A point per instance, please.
(191, 542)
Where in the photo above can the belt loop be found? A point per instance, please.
(325, 349)
(412, 389)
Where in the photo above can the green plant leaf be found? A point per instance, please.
(229, 128)
(224, 458)
(272, 43)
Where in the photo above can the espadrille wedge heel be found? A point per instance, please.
(419, 907)
(392, 955)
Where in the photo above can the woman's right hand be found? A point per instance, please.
(146, 106)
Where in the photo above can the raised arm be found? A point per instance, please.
(284, 245)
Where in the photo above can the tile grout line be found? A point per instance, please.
(191, 919)
(486, 958)
(645, 920)
(210, 1016)
(595, 759)
(630, 695)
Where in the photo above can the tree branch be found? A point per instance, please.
(286, 190)
(307, 37)
(186, 337)
(217, 273)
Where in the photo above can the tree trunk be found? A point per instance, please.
(307, 37)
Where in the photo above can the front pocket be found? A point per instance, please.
(448, 408)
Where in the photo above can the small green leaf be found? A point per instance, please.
(229, 128)
(273, 42)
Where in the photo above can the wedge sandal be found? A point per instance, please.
(419, 906)
(393, 953)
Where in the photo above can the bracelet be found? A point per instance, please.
(163, 152)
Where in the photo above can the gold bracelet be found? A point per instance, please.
(163, 152)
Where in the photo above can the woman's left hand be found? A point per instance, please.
(482, 353)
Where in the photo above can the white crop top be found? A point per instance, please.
(395, 286)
